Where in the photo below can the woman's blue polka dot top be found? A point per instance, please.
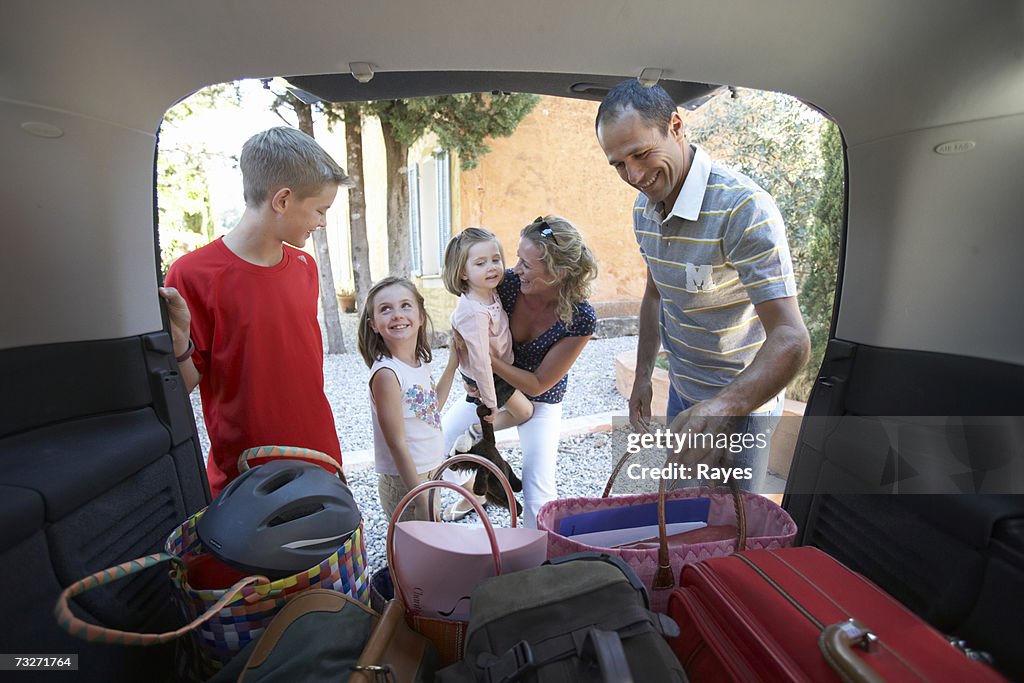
(529, 355)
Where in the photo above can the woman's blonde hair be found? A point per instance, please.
(456, 254)
(567, 258)
(371, 345)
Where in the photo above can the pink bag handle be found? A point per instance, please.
(402, 504)
(493, 469)
(101, 634)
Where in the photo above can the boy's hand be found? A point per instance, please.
(179, 317)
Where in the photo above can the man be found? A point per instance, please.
(720, 282)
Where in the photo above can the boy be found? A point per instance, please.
(243, 309)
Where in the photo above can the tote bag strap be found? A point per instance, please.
(493, 469)
(402, 504)
(101, 634)
(741, 516)
(614, 475)
(664, 578)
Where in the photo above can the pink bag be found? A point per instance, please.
(435, 566)
(759, 523)
(430, 551)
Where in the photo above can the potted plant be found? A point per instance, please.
(347, 300)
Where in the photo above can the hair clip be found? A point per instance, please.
(547, 231)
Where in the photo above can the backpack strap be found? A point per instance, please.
(618, 562)
(605, 647)
(592, 644)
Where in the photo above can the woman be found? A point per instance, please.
(551, 321)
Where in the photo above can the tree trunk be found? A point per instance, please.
(357, 203)
(328, 294)
(399, 251)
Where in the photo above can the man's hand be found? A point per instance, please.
(705, 421)
(640, 405)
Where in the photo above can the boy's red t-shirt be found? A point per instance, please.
(260, 353)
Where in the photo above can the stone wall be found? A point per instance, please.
(440, 305)
(553, 164)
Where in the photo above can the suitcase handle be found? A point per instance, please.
(837, 643)
(664, 578)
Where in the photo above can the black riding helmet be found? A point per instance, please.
(279, 518)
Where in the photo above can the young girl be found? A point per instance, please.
(473, 267)
(407, 441)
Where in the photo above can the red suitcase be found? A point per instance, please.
(785, 615)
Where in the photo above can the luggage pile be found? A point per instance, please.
(704, 587)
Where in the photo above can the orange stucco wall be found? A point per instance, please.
(552, 164)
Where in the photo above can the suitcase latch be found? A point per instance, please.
(858, 635)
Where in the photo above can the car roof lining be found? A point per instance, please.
(343, 87)
(879, 68)
(903, 80)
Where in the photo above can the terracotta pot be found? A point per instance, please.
(347, 302)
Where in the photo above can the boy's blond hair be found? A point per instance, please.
(286, 157)
(457, 253)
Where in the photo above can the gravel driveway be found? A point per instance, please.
(583, 461)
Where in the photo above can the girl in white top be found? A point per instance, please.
(407, 441)
(473, 267)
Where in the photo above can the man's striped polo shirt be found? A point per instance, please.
(721, 250)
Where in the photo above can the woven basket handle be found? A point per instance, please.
(493, 469)
(101, 634)
(288, 453)
(402, 504)
(664, 579)
(615, 473)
